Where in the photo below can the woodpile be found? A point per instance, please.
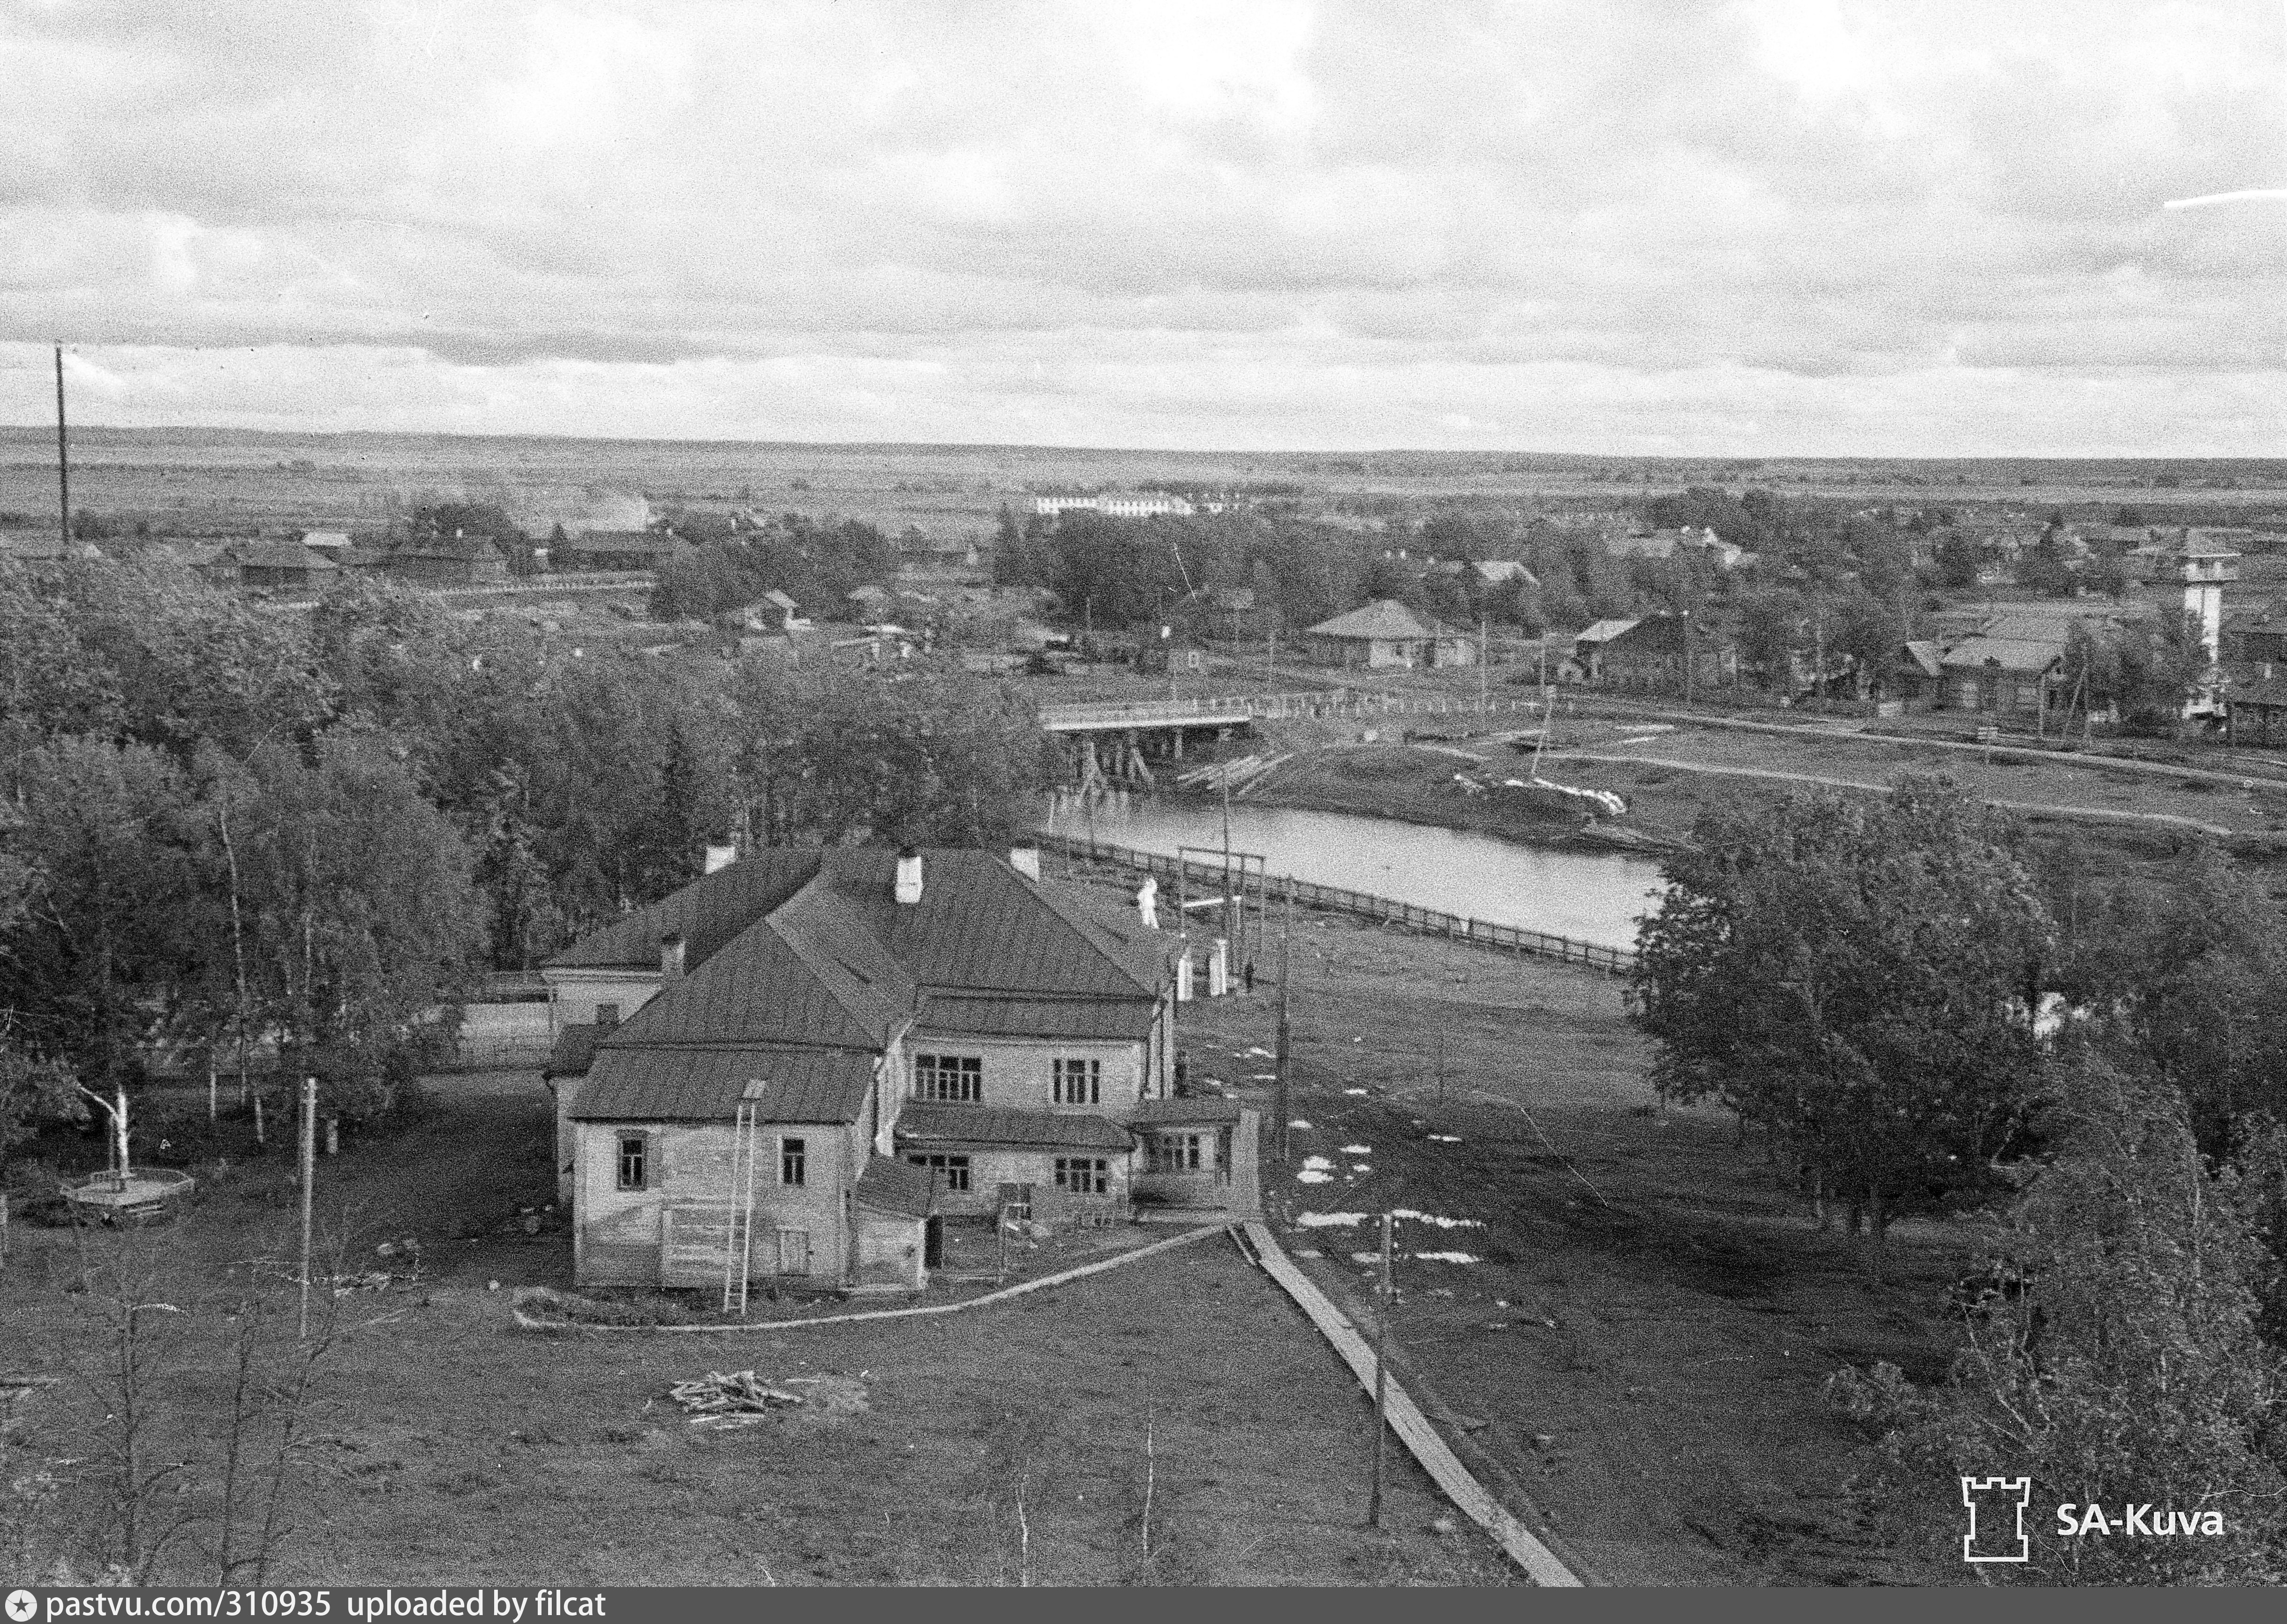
(738, 1399)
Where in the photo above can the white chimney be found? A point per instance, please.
(1025, 861)
(909, 876)
(721, 857)
(671, 957)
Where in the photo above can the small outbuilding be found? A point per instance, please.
(1389, 633)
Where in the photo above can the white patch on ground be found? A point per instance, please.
(1263, 1076)
(1357, 1150)
(1258, 1054)
(1296, 1122)
(1318, 1164)
(1322, 1220)
(1429, 1217)
(1360, 1167)
(1353, 1090)
(1366, 1257)
(1445, 1138)
(1311, 1175)
(1449, 1257)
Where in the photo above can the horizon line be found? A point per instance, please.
(43, 429)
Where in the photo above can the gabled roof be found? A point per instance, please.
(774, 595)
(2013, 655)
(1605, 631)
(810, 951)
(1923, 655)
(924, 1122)
(1386, 620)
(705, 1085)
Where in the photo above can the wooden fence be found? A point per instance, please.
(1382, 910)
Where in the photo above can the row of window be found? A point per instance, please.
(1164, 1153)
(636, 1169)
(1078, 1175)
(960, 1080)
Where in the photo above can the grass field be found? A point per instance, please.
(447, 1447)
(1645, 1337)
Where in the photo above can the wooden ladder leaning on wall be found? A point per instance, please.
(738, 1231)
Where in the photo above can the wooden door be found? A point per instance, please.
(793, 1251)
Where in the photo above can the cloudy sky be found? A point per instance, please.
(1737, 227)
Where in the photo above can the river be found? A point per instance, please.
(1588, 896)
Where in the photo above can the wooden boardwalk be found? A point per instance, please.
(1407, 1420)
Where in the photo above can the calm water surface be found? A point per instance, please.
(1591, 897)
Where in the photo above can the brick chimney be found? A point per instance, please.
(670, 957)
(909, 876)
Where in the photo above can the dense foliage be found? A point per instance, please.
(229, 830)
(1852, 978)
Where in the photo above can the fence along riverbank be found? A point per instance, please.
(1335, 899)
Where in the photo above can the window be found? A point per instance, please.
(793, 1161)
(635, 1151)
(949, 1077)
(1174, 1152)
(952, 1171)
(1083, 1174)
(1079, 1083)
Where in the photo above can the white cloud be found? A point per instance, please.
(1765, 225)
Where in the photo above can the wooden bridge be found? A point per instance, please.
(1234, 709)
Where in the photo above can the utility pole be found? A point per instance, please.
(1441, 1068)
(63, 457)
(1286, 959)
(1381, 1376)
(1686, 658)
(309, 1179)
(1485, 632)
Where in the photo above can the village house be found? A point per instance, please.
(276, 566)
(810, 1060)
(1587, 661)
(1651, 652)
(1387, 634)
(447, 560)
(615, 550)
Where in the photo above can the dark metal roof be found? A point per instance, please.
(763, 988)
(889, 1185)
(704, 1085)
(931, 1123)
(707, 914)
(1158, 1113)
(1127, 1020)
(575, 1051)
(980, 926)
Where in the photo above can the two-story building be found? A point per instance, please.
(808, 1060)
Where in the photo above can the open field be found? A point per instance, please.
(198, 478)
(1645, 1336)
(446, 1446)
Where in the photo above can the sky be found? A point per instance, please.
(1647, 227)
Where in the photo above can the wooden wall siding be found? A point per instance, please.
(683, 1209)
(889, 1250)
(574, 994)
(1019, 1072)
(989, 1169)
(1238, 1191)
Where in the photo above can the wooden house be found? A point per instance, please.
(829, 1051)
(1389, 633)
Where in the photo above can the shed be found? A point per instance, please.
(1387, 634)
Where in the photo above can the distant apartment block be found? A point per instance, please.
(1118, 504)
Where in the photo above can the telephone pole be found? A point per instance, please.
(1380, 1377)
(309, 1171)
(63, 459)
(1285, 957)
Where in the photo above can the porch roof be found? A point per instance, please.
(929, 1123)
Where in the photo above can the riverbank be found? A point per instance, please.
(1669, 772)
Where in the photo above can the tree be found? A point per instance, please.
(1856, 978)
(2117, 1360)
(1957, 561)
(1770, 631)
(1869, 632)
